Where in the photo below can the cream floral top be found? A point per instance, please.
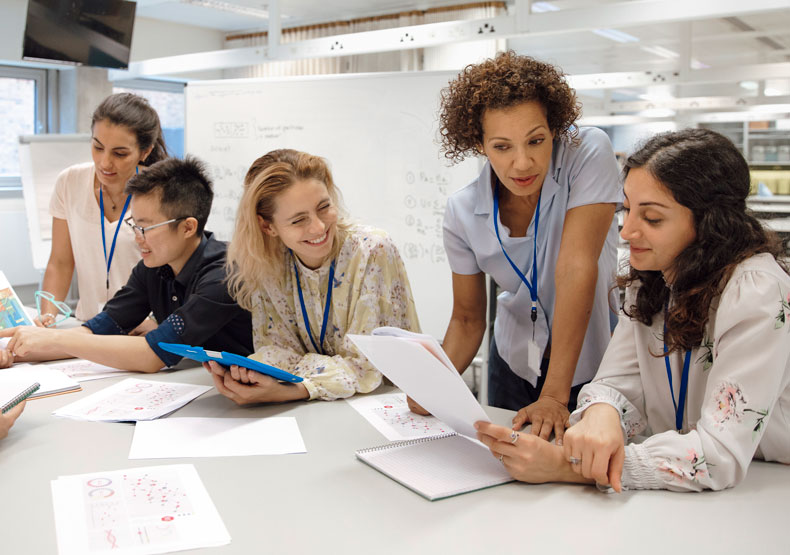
(370, 289)
(738, 403)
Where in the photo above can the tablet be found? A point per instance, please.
(226, 359)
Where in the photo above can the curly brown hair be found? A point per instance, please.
(502, 82)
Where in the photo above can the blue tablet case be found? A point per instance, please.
(226, 359)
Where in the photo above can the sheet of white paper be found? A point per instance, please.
(216, 437)
(390, 415)
(131, 400)
(51, 381)
(425, 379)
(155, 509)
(85, 370)
(427, 341)
(4, 342)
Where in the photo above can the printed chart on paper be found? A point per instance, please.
(390, 415)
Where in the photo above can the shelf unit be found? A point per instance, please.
(772, 143)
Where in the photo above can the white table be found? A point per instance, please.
(327, 501)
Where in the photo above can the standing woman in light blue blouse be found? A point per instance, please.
(540, 221)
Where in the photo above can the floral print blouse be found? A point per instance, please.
(370, 290)
(738, 402)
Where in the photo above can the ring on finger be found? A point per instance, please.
(501, 457)
(574, 460)
(513, 436)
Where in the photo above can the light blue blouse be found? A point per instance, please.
(578, 176)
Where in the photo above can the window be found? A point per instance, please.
(23, 103)
(168, 101)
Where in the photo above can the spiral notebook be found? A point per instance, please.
(437, 467)
(12, 394)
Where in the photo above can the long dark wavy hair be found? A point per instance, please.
(707, 174)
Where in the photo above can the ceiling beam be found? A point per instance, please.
(616, 14)
(626, 79)
(699, 103)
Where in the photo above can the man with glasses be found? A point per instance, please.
(181, 279)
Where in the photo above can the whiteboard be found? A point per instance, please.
(379, 133)
(41, 159)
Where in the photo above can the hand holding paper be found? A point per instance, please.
(427, 376)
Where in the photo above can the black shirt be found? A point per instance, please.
(192, 308)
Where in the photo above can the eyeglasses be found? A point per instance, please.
(64, 310)
(138, 230)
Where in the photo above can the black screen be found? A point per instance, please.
(90, 32)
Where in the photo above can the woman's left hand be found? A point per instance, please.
(6, 358)
(245, 387)
(547, 415)
(526, 457)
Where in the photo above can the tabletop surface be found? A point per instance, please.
(326, 499)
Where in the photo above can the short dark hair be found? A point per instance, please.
(184, 188)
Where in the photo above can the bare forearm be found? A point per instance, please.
(119, 351)
(573, 305)
(57, 280)
(462, 341)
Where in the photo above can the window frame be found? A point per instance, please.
(11, 186)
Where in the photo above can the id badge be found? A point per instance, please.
(533, 356)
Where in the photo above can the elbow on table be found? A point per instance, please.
(151, 365)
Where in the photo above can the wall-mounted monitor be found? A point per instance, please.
(84, 32)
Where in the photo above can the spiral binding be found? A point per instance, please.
(19, 398)
(405, 443)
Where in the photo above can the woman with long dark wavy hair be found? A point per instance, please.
(700, 361)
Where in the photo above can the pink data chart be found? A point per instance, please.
(134, 509)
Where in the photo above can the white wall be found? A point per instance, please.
(12, 28)
(626, 138)
(16, 262)
(155, 39)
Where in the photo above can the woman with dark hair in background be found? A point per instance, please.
(89, 204)
(700, 361)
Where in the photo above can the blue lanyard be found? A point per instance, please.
(320, 347)
(533, 287)
(680, 406)
(108, 261)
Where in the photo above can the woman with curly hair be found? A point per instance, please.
(309, 277)
(700, 361)
(540, 221)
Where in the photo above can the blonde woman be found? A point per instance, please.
(309, 277)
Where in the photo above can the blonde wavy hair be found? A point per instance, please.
(254, 256)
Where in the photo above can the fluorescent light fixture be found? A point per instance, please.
(541, 7)
(657, 113)
(696, 64)
(657, 93)
(770, 108)
(615, 35)
(228, 7)
(771, 91)
(749, 85)
(660, 51)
